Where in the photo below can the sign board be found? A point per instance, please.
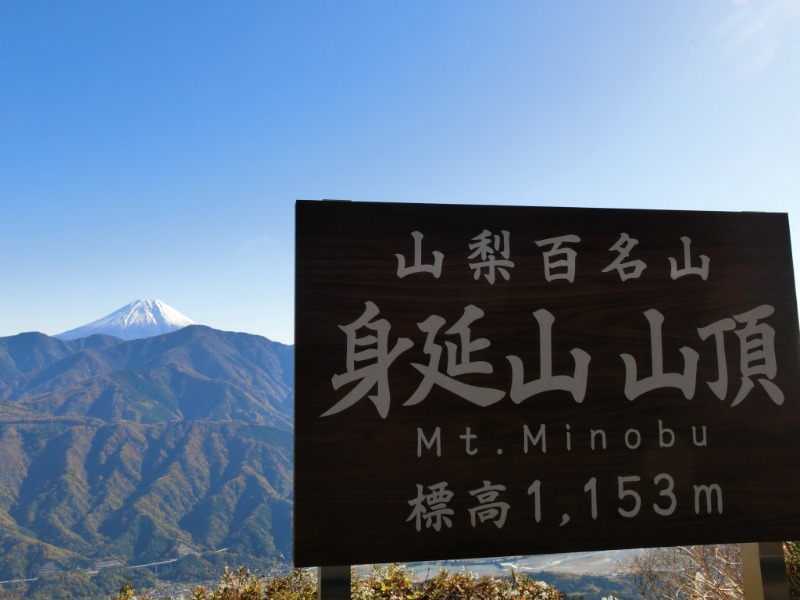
(478, 381)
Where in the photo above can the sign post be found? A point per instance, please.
(478, 381)
(333, 583)
(764, 571)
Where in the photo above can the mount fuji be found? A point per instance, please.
(139, 319)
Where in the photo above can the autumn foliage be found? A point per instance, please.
(393, 582)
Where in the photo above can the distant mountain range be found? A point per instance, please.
(130, 449)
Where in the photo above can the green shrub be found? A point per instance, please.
(395, 582)
(388, 582)
(297, 585)
(391, 582)
(233, 585)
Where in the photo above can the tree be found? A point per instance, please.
(688, 572)
(792, 553)
(64, 586)
(127, 591)
(9, 594)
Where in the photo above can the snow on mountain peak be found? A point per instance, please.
(139, 319)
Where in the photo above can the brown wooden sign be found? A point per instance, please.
(480, 381)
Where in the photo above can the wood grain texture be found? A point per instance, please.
(356, 472)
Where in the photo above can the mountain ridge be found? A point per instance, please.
(131, 448)
(234, 374)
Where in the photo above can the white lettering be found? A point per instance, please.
(540, 436)
(594, 433)
(436, 438)
(468, 436)
(637, 436)
(704, 441)
(665, 431)
(709, 491)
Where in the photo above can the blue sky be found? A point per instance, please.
(155, 150)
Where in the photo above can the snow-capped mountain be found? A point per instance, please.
(139, 319)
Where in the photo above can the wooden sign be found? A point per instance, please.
(478, 381)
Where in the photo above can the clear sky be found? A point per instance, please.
(155, 149)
